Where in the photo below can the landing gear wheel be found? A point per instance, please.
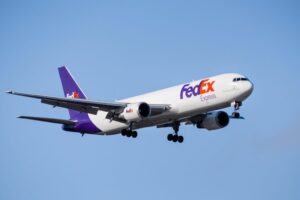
(134, 134)
(236, 115)
(180, 139)
(170, 137)
(175, 138)
(128, 134)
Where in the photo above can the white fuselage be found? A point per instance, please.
(185, 100)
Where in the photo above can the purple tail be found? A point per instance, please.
(71, 90)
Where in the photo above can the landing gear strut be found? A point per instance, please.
(175, 137)
(236, 106)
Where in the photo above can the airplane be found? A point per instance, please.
(197, 103)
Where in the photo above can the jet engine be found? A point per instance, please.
(135, 112)
(214, 120)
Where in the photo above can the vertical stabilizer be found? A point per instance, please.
(71, 90)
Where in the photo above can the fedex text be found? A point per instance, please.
(205, 86)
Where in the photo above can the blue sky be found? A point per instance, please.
(117, 49)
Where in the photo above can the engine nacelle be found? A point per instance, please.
(135, 112)
(214, 120)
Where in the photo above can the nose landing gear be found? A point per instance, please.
(235, 114)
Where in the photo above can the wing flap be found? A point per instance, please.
(73, 106)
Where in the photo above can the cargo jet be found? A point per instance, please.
(196, 103)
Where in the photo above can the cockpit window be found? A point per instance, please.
(240, 79)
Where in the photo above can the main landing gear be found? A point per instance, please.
(236, 114)
(175, 137)
(129, 133)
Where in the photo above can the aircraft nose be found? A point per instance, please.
(249, 87)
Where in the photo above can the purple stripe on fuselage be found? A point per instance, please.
(86, 127)
(83, 126)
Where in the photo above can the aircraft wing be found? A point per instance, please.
(88, 106)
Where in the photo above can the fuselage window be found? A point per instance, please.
(240, 79)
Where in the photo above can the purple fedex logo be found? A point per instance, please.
(205, 86)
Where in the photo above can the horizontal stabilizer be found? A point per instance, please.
(50, 120)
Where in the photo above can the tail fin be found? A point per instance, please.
(71, 90)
